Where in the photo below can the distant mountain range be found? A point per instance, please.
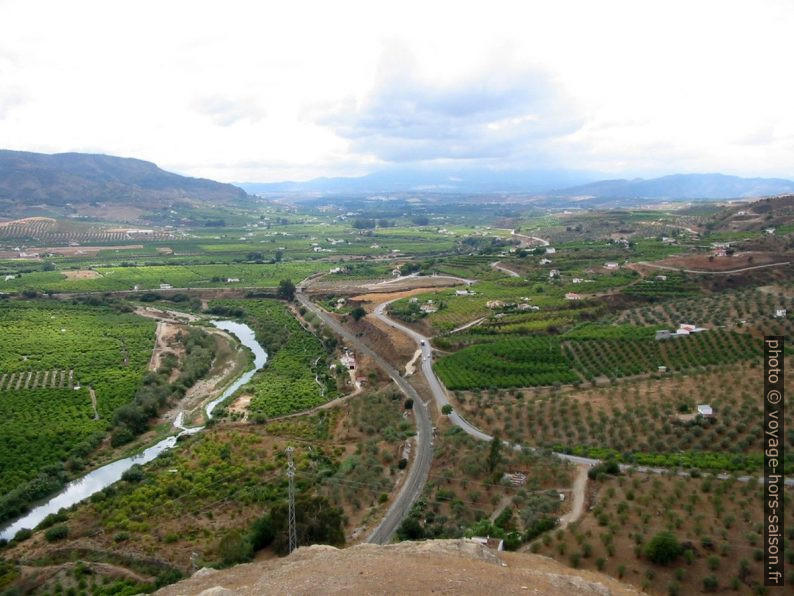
(37, 178)
(546, 183)
(682, 186)
(440, 180)
(29, 180)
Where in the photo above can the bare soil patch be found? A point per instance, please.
(372, 299)
(166, 342)
(81, 274)
(363, 287)
(707, 263)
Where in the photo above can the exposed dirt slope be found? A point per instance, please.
(440, 566)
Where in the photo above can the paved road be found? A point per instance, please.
(420, 468)
(440, 397)
(439, 394)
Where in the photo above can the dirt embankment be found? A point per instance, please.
(394, 346)
(440, 566)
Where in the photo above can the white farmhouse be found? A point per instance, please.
(705, 410)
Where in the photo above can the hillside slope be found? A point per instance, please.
(37, 178)
(440, 566)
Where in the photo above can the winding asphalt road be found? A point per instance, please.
(420, 468)
(440, 397)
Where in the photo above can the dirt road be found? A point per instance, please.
(577, 497)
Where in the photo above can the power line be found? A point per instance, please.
(293, 536)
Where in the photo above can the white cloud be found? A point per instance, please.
(264, 91)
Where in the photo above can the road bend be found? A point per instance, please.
(440, 397)
(420, 468)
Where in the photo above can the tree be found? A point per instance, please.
(317, 522)
(663, 548)
(358, 313)
(409, 404)
(495, 453)
(286, 290)
(446, 410)
(235, 547)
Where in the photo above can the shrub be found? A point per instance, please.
(23, 535)
(133, 475)
(663, 548)
(234, 548)
(56, 533)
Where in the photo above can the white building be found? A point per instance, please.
(550, 250)
(611, 265)
(705, 410)
(780, 313)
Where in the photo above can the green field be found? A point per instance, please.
(586, 354)
(296, 375)
(47, 422)
(147, 278)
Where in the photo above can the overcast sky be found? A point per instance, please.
(263, 91)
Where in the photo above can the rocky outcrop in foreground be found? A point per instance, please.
(439, 566)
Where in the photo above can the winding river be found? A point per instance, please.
(93, 482)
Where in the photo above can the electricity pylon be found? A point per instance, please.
(293, 533)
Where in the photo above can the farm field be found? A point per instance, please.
(650, 421)
(147, 278)
(754, 308)
(296, 376)
(716, 525)
(44, 427)
(588, 354)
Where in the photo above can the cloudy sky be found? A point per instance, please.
(263, 91)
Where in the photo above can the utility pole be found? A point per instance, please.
(293, 534)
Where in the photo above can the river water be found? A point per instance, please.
(93, 482)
